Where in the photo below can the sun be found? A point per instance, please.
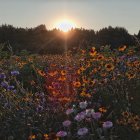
(65, 25)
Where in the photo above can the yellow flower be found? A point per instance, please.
(93, 52)
(130, 75)
(100, 57)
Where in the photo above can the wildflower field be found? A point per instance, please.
(91, 95)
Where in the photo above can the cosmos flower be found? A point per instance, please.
(107, 124)
(109, 67)
(67, 123)
(80, 116)
(69, 111)
(61, 134)
(82, 131)
(96, 115)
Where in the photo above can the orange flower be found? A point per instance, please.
(103, 74)
(85, 80)
(83, 51)
(95, 70)
(32, 137)
(46, 136)
(100, 57)
(109, 67)
(137, 63)
(82, 68)
(63, 72)
(53, 73)
(62, 78)
(76, 84)
(122, 48)
(41, 73)
(103, 109)
(130, 75)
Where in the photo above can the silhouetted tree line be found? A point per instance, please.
(43, 41)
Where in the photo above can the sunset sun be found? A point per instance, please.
(65, 25)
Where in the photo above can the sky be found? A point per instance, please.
(89, 14)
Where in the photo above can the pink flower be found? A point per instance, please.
(61, 134)
(82, 131)
(67, 123)
(107, 124)
(69, 111)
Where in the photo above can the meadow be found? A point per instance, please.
(91, 95)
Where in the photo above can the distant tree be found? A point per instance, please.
(41, 40)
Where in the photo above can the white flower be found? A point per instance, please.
(83, 105)
(89, 112)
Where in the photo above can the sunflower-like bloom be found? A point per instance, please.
(76, 84)
(130, 75)
(109, 67)
(93, 52)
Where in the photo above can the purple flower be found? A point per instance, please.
(82, 131)
(4, 84)
(15, 73)
(83, 105)
(96, 115)
(69, 111)
(80, 116)
(67, 123)
(61, 134)
(39, 108)
(14, 91)
(2, 76)
(10, 87)
(107, 124)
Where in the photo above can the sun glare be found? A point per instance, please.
(65, 25)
